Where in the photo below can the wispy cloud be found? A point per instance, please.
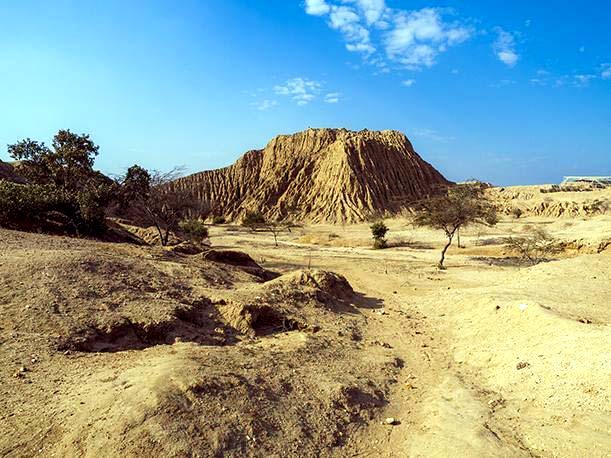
(583, 80)
(432, 135)
(545, 78)
(265, 104)
(301, 90)
(332, 97)
(505, 47)
(411, 39)
(408, 83)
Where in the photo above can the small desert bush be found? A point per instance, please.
(253, 219)
(380, 244)
(378, 232)
(219, 219)
(535, 247)
(516, 212)
(194, 229)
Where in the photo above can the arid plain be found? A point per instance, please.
(120, 349)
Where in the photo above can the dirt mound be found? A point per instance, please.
(116, 349)
(320, 175)
(303, 300)
(88, 297)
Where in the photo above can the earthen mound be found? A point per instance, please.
(320, 175)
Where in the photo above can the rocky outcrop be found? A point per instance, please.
(320, 175)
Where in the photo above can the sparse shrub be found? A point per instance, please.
(194, 229)
(256, 221)
(380, 244)
(333, 235)
(534, 248)
(219, 219)
(378, 232)
(516, 212)
(156, 199)
(253, 220)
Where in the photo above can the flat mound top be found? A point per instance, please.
(320, 175)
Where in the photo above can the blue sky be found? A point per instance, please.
(509, 92)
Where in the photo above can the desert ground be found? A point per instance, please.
(321, 346)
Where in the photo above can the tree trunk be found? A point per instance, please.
(443, 252)
(166, 237)
(458, 237)
(160, 234)
(275, 238)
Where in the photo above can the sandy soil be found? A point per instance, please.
(487, 358)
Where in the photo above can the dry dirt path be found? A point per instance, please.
(446, 404)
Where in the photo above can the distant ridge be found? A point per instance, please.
(320, 175)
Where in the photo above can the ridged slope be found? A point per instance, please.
(320, 175)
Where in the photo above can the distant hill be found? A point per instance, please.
(320, 175)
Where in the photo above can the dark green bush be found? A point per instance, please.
(37, 207)
(379, 244)
(219, 219)
(194, 229)
(378, 231)
(253, 219)
(516, 212)
(25, 206)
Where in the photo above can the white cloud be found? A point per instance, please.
(347, 21)
(408, 83)
(265, 105)
(304, 90)
(417, 37)
(409, 39)
(582, 80)
(332, 97)
(504, 47)
(316, 7)
(605, 71)
(372, 10)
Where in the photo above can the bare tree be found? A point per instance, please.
(535, 247)
(158, 200)
(256, 221)
(458, 207)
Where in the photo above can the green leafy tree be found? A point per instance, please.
(66, 170)
(67, 165)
